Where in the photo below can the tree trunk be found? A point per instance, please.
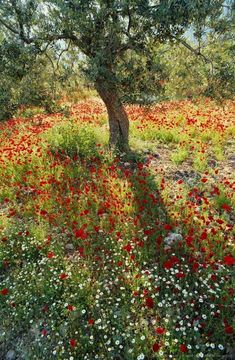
(118, 119)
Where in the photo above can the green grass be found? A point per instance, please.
(69, 139)
(158, 135)
(179, 156)
(200, 162)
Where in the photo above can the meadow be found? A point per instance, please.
(120, 256)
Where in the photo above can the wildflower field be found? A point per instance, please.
(118, 256)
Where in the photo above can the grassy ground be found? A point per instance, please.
(118, 257)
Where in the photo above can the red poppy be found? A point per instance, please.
(91, 321)
(81, 251)
(149, 302)
(160, 330)
(70, 307)
(171, 262)
(229, 260)
(189, 240)
(80, 233)
(4, 291)
(180, 275)
(159, 240)
(44, 332)
(45, 308)
(226, 207)
(228, 329)
(167, 227)
(50, 254)
(156, 347)
(43, 212)
(204, 236)
(195, 266)
(5, 263)
(128, 248)
(231, 291)
(213, 277)
(183, 348)
(73, 342)
(63, 276)
(145, 291)
(97, 228)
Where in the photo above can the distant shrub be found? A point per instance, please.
(71, 140)
(30, 112)
(7, 104)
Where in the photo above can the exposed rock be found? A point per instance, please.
(186, 175)
(231, 157)
(11, 355)
(34, 330)
(156, 155)
(212, 163)
(172, 238)
(146, 151)
(69, 247)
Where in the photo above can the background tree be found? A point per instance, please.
(31, 78)
(118, 39)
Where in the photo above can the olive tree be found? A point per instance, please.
(118, 39)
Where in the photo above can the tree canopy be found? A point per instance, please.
(120, 39)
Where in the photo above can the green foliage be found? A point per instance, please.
(187, 74)
(141, 75)
(179, 156)
(122, 43)
(219, 153)
(223, 199)
(200, 162)
(191, 76)
(70, 140)
(26, 80)
(29, 78)
(221, 85)
(15, 63)
(162, 135)
(30, 112)
(7, 103)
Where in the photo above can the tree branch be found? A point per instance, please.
(196, 52)
(9, 27)
(47, 38)
(19, 18)
(129, 21)
(61, 53)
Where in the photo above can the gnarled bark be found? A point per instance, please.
(118, 119)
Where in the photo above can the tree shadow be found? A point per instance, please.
(151, 221)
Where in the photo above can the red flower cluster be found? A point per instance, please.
(171, 262)
(149, 302)
(229, 260)
(156, 347)
(160, 330)
(63, 276)
(4, 291)
(73, 342)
